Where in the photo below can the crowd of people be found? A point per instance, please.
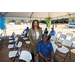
(40, 43)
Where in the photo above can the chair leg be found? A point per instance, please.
(29, 47)
(13, 59)
(26, 45)
(70, 54)
(65, 57)
(56, 53)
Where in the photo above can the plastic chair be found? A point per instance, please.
(25, 38)
(58, 34)
(69, 36)
(27, 43)
(26, 56)
(54, 38)
(73, 40)
(23, 34)
(54, 47)
(61, 38)
(14, 54)
(66, 50)
(12, 46)
(1, 41)
(12, 41)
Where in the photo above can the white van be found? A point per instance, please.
(71, 25)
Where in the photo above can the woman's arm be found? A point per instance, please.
(30, 38)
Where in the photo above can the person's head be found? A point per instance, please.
(44, 37)
(52, 28)
(45, 28)
(27, 27)
(35, 23)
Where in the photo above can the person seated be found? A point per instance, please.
(27, 31)
(52, 33)
(46, 31)
(45, 50)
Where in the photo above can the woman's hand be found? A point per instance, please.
(33, 45)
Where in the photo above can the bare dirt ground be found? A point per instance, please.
(18, 30)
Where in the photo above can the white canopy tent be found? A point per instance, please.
(37, 15)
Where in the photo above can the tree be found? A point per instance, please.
(48, 21)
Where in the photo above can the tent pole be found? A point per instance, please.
(68, 23)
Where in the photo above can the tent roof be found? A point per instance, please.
(36, 15)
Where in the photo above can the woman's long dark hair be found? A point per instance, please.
(33, 24)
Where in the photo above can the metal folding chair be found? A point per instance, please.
(61, 38)
(58, 34)
(27, 43)
(66, 43)
(73, 40)
(54, 47)
(69, 36)
(53, 38)
(16, 53)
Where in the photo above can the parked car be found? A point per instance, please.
(71, 25)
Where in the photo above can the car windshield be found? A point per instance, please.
(71, 24)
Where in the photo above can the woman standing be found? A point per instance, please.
(35, 35)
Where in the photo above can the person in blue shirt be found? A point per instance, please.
(52, 33)
(45, 50)
(27, 31)
(46, 31)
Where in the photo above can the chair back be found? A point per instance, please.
(58, 34)
(63, 36)
(26, 56)
(20, 44)
(69, 36)
(53, 38)
(16, 39)
(73, 39)
(67, 43)
(54, 47)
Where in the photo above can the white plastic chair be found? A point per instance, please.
(64, 50)
(12, 36)
(12, 46)
(14, 54)
(12, 41)
(54, 47)
(58, 34)
(61, 38)
(54, 38)
(27, 43)
(23, 34)
(73, 40)
(1, 41)
(69, 36)
(26, 56)
(25, 38)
